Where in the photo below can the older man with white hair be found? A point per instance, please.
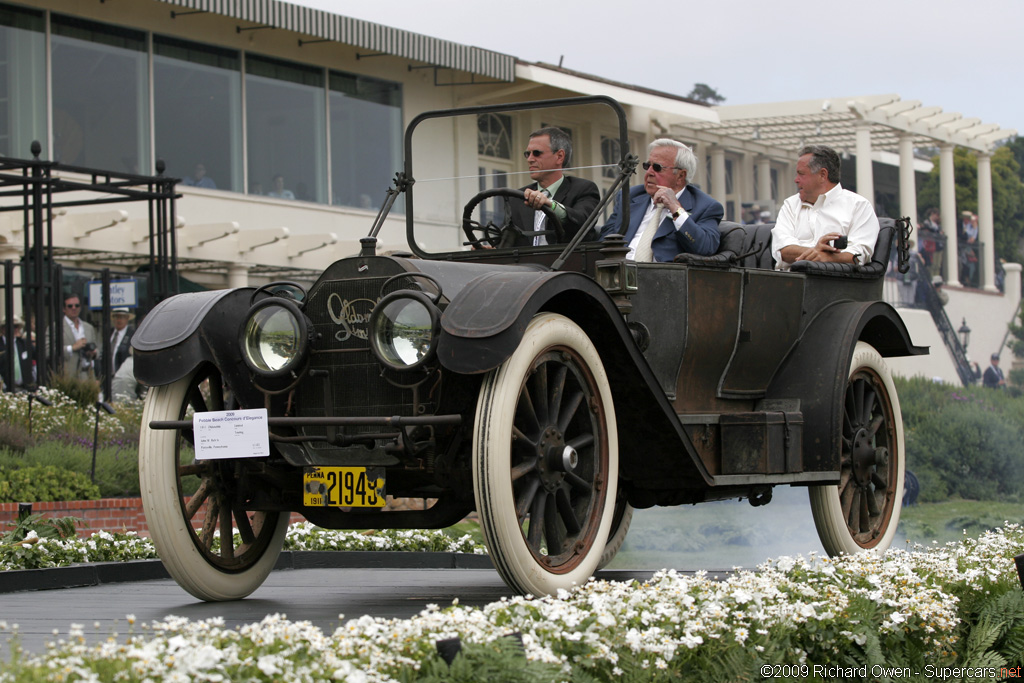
(668, 215)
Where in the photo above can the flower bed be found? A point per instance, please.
(920, 614)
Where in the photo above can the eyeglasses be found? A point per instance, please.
(72, 305)
(533, 152)
(658, 168)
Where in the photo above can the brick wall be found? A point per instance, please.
(125, 514)
(106, 514)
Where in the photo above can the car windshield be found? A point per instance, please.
(469, 165)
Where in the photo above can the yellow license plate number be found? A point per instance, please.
(358, 487)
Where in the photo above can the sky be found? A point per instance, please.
(965, 57)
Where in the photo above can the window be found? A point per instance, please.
(100, 96)
(494, 136)
(366, 139)
(611, 155)
(285, 114)
(22, 81)
(197, 101)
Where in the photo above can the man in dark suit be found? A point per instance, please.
(120, 339)
(684, 218)
(23, 358)
(993, 378)
(571, 199)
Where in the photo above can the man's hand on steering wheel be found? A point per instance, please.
(491, 234)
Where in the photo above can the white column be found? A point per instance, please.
(908, 184)
(947, 212)
(718, 173)
(238, 275)
(764, 184)
(745, 189)
(865, 175)
(986, 223)
(702, 165)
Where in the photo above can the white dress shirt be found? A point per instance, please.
(837, 210)
(683, 215)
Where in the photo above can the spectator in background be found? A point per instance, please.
(969, 249)
(120, 340)
(279, 190)
(24, 359)
(993, 378)
(932, 241)
(79, 339)
(199, 178)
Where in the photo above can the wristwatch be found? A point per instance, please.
(677, 213)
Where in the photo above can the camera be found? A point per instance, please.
(840, 242)
(88, 349)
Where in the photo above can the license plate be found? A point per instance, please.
(358, 487)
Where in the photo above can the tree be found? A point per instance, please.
(1007, 195)
(702, 92)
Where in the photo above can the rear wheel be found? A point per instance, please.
(620, 527)
(184, 527)
(863, 510)
(545, 459)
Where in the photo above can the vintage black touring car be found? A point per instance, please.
(551, 389)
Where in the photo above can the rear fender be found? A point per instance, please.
(818, 367)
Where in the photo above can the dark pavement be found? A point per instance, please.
(317, 595)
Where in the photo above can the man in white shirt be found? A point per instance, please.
(79, 340)
(821, 212)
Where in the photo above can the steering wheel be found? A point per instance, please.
(492, 234)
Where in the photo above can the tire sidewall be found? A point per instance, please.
(495, 500)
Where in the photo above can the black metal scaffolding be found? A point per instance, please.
(36, 188)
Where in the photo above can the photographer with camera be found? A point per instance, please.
(823, 221)
(79, 340)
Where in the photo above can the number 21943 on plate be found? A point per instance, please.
(360, 487)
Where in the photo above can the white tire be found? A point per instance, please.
(545, 459)
(863, 510)
(165, 462)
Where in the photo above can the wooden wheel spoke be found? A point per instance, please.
(524, 468)
(227, 538)
(556, 387)
(525, 498)
(578, 483)
(872, 504)
(565, 511)
(876, 422)
(520, 438)
(572, 404)
(527, 421)
(879, 480)
(868, 406)
(193, 468)
(552, 532)
(853, 518)
(539, 382)
(535, 535)
(846, 495)
(197, 499)
(245, 529)
(210, 524)
(582, 441)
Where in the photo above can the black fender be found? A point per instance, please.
(818, 366)
(185, 331)
(485, 322)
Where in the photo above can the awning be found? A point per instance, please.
(365, 34)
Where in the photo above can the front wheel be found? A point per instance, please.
(863, 510)
(545, 459)
(184, 527)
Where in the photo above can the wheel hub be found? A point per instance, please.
(864, 457)
(554, 458)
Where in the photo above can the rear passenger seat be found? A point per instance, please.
(750, 246)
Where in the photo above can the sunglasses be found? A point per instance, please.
(72, 305)
(658, 168)
(532, 152)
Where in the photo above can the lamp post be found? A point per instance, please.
(965, 334)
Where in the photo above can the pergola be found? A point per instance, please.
(860, 126)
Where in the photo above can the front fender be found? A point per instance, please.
(817, 368)
(186, 330)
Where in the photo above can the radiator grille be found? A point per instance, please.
(340, 312)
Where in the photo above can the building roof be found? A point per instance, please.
(834, 122)
(365, 34)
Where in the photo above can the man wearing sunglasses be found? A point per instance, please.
(668, 215)
(79, 340)
(571, 199)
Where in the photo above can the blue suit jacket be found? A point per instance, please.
(698, 234)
